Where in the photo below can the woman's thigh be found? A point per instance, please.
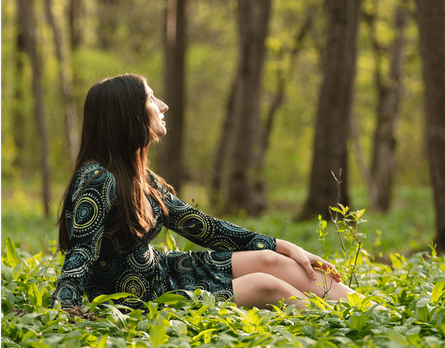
(265, 261)
(261, 290)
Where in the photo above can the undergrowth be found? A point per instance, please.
(412, 291)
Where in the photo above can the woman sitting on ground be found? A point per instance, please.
(114, 206)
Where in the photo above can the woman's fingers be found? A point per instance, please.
(327, 268)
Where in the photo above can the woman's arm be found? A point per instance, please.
(210, 232)
(308, 261)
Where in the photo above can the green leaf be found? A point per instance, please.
(336, 209)
(172, 299)
(358, 321)
(354, 299)
(187, 246)
(8, 295)
(438, 291)
(17, 271)
(179, 327)
(157, 334)
(34, 295)
(171, 243)
(395, 261)
(103, 341)
(103, 298)
(11, 253)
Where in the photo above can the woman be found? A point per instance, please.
(114, 206)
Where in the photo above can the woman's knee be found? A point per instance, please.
(264, 261)
(271, 260)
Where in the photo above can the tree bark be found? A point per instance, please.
(389, 95)
(108, 16)
(431, 22)
(283, 78)
(223, 147)
(171, 161)
(74, 15)
(244, 181)
(19, 117)
(335, 100)
(27, 22)
(66, 86)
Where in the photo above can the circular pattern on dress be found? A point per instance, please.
(232, 227)
(260, 243)
(142, 261)
(133, 285)
(187, 282)
(211, 258)
(223, 295)
(175, 204)
(185, 263)
(85, 213)
(106, 269)
(195, 225)
(66, 292)
(77, 263)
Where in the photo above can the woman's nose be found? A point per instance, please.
(162, 106)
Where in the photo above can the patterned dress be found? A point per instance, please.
(99, 262)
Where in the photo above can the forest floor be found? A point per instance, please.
(407, 228)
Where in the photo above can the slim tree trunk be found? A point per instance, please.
(224, 146)
(244, 181)
(431, 22)
(27, 22)
(334, 107)
(171, 161)
(19, 117)
(389, 95)
(283, 78)
(108, 16)
(74, 15)
(66, 86)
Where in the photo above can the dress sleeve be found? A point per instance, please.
(86, 219)
(210, 232)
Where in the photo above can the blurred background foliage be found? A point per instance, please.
(119, 37)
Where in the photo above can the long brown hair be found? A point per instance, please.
(116, 132)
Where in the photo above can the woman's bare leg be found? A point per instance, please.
(261, 289)
(285, 269)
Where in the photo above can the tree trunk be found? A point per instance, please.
(389, 94)
(244, 181)
(335, 100)
(74, 14)
(431, 22)
(19, 117)
(283, 78)
(224, 147)
(27, 22)
(108, 16)
(171, 161)
(66, 87)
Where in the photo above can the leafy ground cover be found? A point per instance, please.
(411, 289)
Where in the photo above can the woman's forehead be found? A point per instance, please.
(149, 90)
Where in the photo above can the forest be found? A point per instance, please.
(296, 119)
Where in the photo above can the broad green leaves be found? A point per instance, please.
(412, 293)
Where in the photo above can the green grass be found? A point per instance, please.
(407, 228)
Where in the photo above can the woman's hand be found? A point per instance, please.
(308, 261)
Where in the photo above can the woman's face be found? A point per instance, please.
(157, 109)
